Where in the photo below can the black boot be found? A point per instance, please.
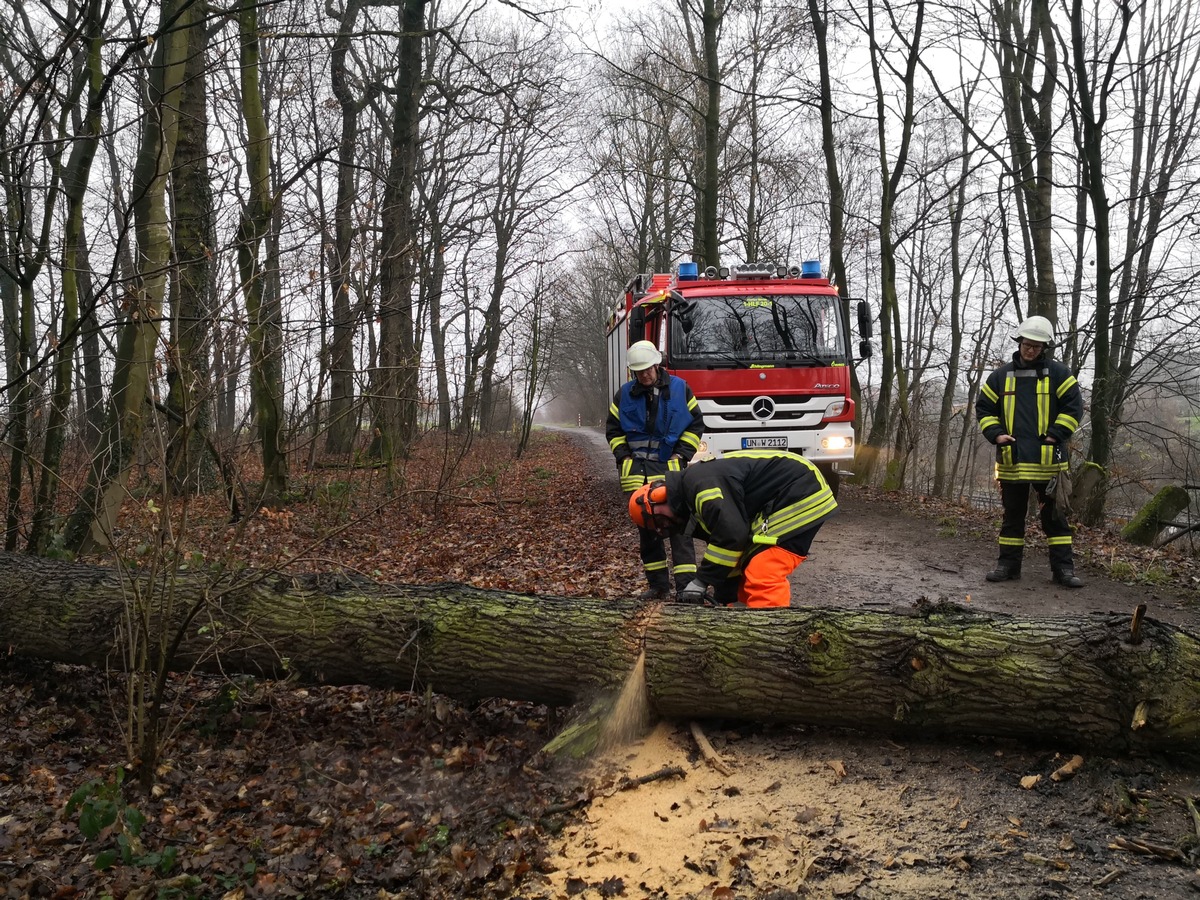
(1005, 570)
(655, 593)
(1067, 578)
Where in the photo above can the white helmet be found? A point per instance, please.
(1036, 328)
(642, 355)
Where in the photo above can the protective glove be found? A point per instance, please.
(694, 592)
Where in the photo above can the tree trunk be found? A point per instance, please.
(342, 368)
(95, 514)
(395, 378)
(710, 246)
(1158, 513)
(265, 334)
(942, 670)
(1092, 100)
(189, 371)
(893, 378)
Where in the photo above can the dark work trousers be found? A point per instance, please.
(654, 559)
(1014, 495)
(652, 548)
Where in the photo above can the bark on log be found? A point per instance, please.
(937, 670)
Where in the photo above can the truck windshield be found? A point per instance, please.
(802, 329)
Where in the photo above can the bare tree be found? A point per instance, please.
(892, 169)
(395, 377)
(99, 504)
(189, 371)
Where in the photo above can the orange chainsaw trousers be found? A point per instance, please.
(765, 579)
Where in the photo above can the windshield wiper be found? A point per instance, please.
(712, 360)
(807, 358)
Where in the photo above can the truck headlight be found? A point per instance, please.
(835, 409)
(836, 442)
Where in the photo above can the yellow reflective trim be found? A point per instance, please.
(1043, 404)
(721, 557)
(768, 454)
(1010, 402)
(1029, 471)
(713, 493)
(989, 393)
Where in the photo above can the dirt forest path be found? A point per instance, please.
(800, 812)
(881, 552)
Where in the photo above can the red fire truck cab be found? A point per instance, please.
(765, 348)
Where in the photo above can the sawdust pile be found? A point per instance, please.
(781, 821)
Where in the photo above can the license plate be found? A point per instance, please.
(756, 443)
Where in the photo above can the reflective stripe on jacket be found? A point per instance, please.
(1030, 403)
(748, 499)
(677, 427)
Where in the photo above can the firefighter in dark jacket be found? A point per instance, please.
(1029, 408)
(759, 510)
(654, 427)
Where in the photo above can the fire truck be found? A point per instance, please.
(765, 348)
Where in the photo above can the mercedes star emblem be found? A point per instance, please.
(762, 408)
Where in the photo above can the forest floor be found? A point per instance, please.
(274, 790)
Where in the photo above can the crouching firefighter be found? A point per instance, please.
(759, 510)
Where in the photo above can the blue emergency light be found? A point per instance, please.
(810, 268)
(688, 271)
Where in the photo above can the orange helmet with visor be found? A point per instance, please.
(641, 507)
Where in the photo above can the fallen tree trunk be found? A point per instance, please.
(1089, 681)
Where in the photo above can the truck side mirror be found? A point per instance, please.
(864, 349)
(637, 324)
(681, 311)
(864, 321)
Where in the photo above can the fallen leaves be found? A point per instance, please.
(1068, 769)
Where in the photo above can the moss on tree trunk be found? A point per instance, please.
(1159, 512)
(936, 671)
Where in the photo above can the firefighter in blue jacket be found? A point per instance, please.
(759, 510)
(1029, 408)
(654, 427)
